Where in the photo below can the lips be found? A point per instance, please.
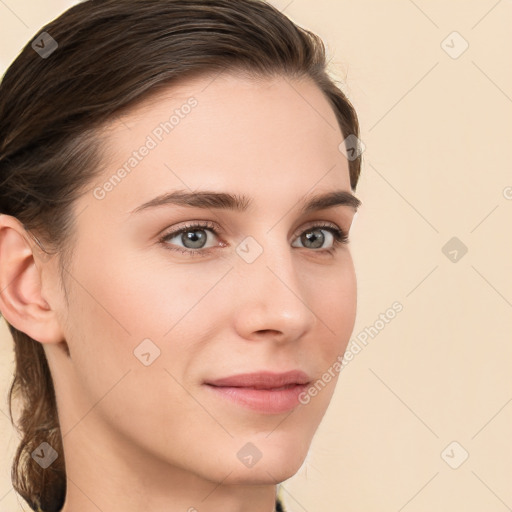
(265, 392)
(262, 380)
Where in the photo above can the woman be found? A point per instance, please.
(175, 199)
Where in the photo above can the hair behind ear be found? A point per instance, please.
(42, 488)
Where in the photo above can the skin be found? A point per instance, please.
(138, 437)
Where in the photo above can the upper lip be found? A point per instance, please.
(262, 380)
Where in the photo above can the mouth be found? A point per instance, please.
(264, 392)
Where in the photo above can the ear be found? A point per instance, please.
(21, 295)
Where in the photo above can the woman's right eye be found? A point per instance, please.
(193, 237)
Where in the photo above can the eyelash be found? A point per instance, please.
(340, 238)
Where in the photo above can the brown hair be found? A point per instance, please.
(109, 55)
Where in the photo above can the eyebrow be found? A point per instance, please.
(240, 203)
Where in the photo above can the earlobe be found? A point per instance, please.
(21, 299)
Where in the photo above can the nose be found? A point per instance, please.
(272, 301)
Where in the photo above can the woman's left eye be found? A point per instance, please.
(194, 238)
(315, 236)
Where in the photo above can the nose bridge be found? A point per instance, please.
(271, 296)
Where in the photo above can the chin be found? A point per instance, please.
(264, 473)
(275, 459)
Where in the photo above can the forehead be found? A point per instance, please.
(228, 132)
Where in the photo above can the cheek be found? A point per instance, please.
(111, 316)
(137, 298)
(141, 323)
(335, 306)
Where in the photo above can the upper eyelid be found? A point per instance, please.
(213, 226)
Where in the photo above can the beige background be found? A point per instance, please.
(437, 165)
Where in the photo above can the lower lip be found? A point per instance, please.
(269, 401)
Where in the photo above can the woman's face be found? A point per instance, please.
(149, 324)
